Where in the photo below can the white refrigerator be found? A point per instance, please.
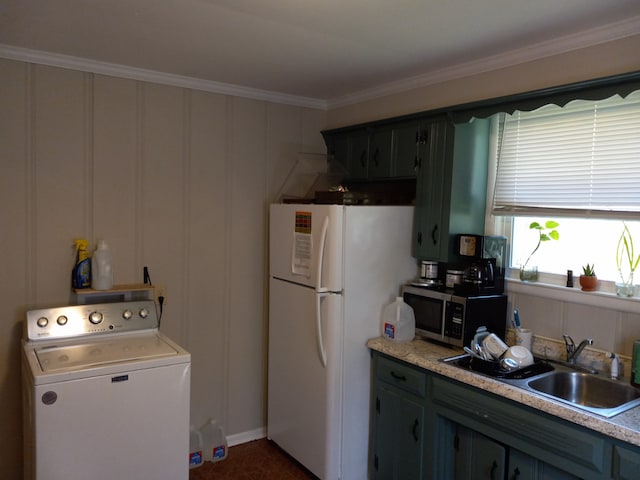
(332, 269)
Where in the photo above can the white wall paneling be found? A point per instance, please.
(174, 179)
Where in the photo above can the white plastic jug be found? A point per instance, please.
(101, 268)
(214, 441)
(398, 321)
(196, 457)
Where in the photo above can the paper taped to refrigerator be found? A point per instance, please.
(302, 245)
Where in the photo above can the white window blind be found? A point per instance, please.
(582, 159)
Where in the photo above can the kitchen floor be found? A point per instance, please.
(257, 460)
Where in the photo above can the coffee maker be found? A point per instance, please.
(483, 260)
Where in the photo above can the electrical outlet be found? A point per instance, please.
(160, 291)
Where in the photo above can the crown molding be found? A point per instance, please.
(548, 48)
(141, 74)
(596, 36)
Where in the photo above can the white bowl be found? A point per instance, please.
(519, 354)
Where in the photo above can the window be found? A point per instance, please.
(578, 165)
(581, 241)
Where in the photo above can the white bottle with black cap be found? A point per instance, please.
(101, 269)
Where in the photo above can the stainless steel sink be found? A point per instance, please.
(597, 394)
(586, 391)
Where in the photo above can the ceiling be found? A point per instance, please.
(325, 50)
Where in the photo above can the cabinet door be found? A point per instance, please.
(406, 140)
(338, 148)
(478, 457)
(525, 467)
(398, 435)
(521, 466)
(626, 462)
(359, 155)
(380, 143)
(549, 472)
(350, 150)
(432, 193)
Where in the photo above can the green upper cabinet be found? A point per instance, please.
(358, 163)
(448, 162)
(375, 152)
(380, 149)
(410, 139)
(451, 186)
(350, 150)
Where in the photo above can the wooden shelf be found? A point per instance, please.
(119, 293)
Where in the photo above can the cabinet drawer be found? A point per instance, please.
(548, 439)
(402, 376)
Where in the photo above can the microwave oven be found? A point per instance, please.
(453, 319)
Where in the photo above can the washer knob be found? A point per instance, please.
(95, 317)
(62, 320)
(144, 313)
(43, 322)
(127, 314)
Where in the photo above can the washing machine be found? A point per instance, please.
(106, 394)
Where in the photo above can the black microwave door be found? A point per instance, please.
(427, 311)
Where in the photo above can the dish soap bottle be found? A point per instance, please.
(102, 273)
(635, 364)
(398, 321)
(81, 273)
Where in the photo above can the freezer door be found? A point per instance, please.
(305, 245)
(303, 394)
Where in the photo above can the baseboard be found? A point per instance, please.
(245, 437)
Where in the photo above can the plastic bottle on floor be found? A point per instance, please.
(214, 442)
(196, 457)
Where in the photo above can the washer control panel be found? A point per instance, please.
(85, 320)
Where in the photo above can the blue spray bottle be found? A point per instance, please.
(81, 273)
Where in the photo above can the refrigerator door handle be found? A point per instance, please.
(321, 292)
(320, 339)
(323, 239)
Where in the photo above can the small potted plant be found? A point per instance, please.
(529, 273)
(588, 279)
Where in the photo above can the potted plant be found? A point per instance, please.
(588, 279)
(627, 262)
(529, 273)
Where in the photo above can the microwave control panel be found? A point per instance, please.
(453, 322)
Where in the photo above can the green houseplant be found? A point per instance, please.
(626, 261)
(546, 232)
(588, 279)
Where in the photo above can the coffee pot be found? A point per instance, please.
(480, 273)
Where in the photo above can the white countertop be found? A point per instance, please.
(427, 355)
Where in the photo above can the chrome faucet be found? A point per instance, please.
(572, 350)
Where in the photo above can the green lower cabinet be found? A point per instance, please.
(426, 426)
(397, 421)
(626, 463)
(398, 450)
(480, 457)
(525, 467)
(477, 457)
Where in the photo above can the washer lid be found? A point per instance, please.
(57, 358)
